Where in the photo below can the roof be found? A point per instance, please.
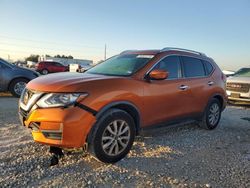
(167, 49)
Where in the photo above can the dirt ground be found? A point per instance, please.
(176, 156)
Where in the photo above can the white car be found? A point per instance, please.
(238, 87)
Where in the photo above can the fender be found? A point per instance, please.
(124, 105)
(216, 95)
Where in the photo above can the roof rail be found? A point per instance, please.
(183, 50)
(127, 51)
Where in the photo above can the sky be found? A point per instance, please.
(81, 28)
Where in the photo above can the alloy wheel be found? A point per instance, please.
(19, 87)
(115, 137)
(214, 114)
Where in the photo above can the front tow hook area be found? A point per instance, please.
(57, 154)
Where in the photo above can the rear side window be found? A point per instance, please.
(209, 67)
(58, 64)
(193, 67)
(171, 64)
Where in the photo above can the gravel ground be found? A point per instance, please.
(179, 156)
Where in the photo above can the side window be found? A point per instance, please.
(58, 64)
(193, 67)
(171, 64)
(52, 63)
(209, 67)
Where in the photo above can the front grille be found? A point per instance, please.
(238, 87)
(23, 113)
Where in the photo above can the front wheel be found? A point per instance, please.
(112, 136)
(212, 115)
(17, 86)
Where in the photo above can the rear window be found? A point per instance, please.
(209, 67)
(193, 67)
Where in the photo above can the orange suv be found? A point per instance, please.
(107, 106)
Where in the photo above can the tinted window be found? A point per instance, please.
(209, 67)
(193, 67)
(244, 72)
(170, 64)
(58, 64)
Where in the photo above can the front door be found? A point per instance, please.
(165, 99)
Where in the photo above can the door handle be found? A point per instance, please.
(183, 87)
(210, 83)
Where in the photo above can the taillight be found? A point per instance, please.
(223, 77)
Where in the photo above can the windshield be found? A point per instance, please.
(245, 72)
(121, 65)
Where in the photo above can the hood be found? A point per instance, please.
(237, 79)
(64, 82)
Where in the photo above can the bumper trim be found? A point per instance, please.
(53, 134)
(239, 99)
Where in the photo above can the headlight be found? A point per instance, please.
(59, 99)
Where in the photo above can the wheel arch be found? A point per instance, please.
(220, 98)
(128, 107)
(16, 78)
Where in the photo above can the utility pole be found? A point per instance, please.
(105, 52)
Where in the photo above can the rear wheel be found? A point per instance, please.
(212, 115)
(112, 136)
(17, 86)
(45, 71)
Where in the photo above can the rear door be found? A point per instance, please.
(164, 99)
(197, 83)
(59, 67)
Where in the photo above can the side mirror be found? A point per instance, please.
(158, 74)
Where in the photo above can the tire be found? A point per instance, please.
(16, 86)
(45, 71)
(212, 115)
(106, 144)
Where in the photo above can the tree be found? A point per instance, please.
(64, 56)
(32, 57)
